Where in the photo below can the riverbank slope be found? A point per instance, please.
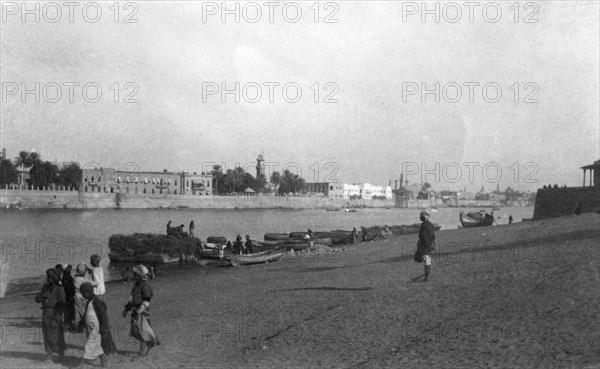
(520, 295)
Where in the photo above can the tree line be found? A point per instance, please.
(238, 180)
(45, 173)
(41, 173)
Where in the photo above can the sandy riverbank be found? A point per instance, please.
(520, 295)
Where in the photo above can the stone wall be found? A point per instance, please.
(100, 200)
(555, 202)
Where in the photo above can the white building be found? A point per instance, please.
(370, 190)
(364, 191)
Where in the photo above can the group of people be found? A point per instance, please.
(177, 231)
(75, 302)
(240, 248)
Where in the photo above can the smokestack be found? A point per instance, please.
(396, 185)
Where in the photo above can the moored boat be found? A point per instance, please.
(257, 258)
(276, 236)
(480, 219)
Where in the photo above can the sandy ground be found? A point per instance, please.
(512, 296)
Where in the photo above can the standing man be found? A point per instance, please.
(192, 227)
(426, 242)
(52, 298)
(139, 305)
(97, 275)
(99, 339)
(510, 219)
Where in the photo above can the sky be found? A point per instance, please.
(360, 67)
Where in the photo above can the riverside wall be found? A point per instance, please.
(48, 199)
(556, 202)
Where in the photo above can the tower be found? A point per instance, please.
(260, 166)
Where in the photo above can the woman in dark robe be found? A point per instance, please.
(99, 339)
(52, 298)
(67, 282)
(139, 305)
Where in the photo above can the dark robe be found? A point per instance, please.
(69, 286)
(52, 298)
(107, 343)
(426, 238)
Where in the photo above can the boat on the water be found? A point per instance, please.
(257, 258)
(476, 219)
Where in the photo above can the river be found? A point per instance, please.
(34, 240)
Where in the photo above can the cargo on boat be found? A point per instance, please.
(152, 248)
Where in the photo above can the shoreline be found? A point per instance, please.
(504, 296)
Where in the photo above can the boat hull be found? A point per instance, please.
(469, 222)
(257, 258)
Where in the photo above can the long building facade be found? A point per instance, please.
(111, 181)
(348, 191)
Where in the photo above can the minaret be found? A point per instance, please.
(260, 166)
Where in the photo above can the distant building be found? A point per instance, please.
(109, 180)
(317, 188)
(594, 177)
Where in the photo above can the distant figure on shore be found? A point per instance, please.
(139, 305)
(354, 235)
(192, 227)
(238, 246)
(97, 275)
(249, 246)
(169, 227)
(99, 339)
(577, 210)
(510, 219)
(52, 298)
(177, 231)
(426, 242)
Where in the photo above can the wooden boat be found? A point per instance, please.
(276, 236)
(257, 258)
(480, 219)
(213, 251)
(379, 233)
(148, 258)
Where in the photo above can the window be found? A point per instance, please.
(175, 182)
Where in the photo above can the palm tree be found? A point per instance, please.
(229, 180)
(34, 158)
(22, 161)
(238, 178)
(217, 173)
